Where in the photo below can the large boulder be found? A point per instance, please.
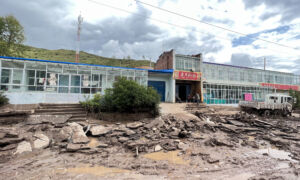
(23, 146)
(99, 130)
(41, 142)
(78, 135)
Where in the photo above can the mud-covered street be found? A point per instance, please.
(214, 142)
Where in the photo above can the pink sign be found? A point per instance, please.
(248, 97)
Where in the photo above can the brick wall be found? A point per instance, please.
(165, 60)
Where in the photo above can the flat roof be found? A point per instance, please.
(83, 64)
(229, 65)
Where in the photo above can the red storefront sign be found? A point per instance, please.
(185, 75)
(281, 86)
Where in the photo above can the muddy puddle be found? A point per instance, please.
(171, 157)
(277, 154)
(96, 170)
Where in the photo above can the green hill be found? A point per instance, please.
(69, 56)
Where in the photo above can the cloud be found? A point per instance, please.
(250, 38)
(288, 9)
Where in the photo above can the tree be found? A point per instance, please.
(11, 36)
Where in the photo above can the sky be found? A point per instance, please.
(140, 31)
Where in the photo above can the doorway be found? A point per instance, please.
(183, 91)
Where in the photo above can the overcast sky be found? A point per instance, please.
(52, 24)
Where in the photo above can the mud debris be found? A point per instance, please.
(206, 141)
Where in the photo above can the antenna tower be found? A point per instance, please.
(80, 20)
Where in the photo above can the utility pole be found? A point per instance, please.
(80, 20)
(264, 63)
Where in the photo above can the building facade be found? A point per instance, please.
(221, 83)
(175, 77)
(31, 81)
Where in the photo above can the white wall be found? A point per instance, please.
(170, 84)
(42, 97)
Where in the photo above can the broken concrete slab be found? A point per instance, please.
(78, 135)
(23, 146)
(41, 142)
(134, 125)
(75, 147)
(99, 130)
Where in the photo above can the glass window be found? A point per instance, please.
(5, 76)
(85, 80)
(40, 78)
(75, 80)
(17, 76)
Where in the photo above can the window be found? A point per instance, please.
(5, 76)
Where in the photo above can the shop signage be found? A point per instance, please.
(281, 86)
(186, 75)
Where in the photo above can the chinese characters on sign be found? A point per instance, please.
(184, 75)
(281, 86)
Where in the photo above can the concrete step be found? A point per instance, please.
(76, 119)
(64, 112)
(59, 110)
(43, 105)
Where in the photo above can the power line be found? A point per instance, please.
(175, 25)
(216, 26)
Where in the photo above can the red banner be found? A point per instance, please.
(281, 86)
(185, 75)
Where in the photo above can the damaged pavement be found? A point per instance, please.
(206, 143)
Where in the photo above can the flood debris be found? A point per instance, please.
(205, 140)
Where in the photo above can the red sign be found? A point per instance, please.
(185, 75)
(281, 86)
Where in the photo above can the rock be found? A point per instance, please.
(123, 139)
(211, 160)
(2, 135)
(78, 135)
(64, 134)
(174, 133)
(23, 146)
(102, 145)
(75, 147)
(197, 136)
(182, 146)
(157, 148)
(134, 125)
(41, 142)
(99, 130)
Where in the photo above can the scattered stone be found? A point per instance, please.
(123, 139)
(23, 146)
(102, 145)
(75, 147)
(157, 148)
(99, 130)
(182, 146)
(78, 135)
(41, 142)
(65, 134)
(197, 136)
(134, 125)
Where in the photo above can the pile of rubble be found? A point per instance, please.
(167, 132)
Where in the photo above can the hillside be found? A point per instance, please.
(69, 56)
